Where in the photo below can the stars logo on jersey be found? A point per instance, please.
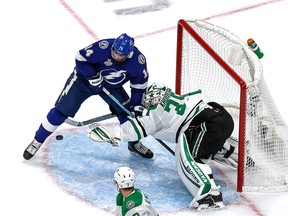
(130, 204)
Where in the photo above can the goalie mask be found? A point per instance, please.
(153, 94)
(124, 177)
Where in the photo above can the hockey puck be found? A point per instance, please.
(59, 137)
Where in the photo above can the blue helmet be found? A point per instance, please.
(124, 44)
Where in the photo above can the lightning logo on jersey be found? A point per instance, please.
(114, 77)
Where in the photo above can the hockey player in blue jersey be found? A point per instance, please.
(108, 63)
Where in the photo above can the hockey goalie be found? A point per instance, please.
(198, 129)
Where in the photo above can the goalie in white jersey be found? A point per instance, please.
(168, 118)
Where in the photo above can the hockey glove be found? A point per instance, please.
(97, 83)
(137, 110)
(98, 133)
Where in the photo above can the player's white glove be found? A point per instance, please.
(98, 133)
(97, 82)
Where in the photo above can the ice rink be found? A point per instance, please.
(39, 40)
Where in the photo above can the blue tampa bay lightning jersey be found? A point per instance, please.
(96, 59)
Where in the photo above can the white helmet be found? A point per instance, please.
(153, 94)
(124, 177)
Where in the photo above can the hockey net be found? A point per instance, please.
(227, 71)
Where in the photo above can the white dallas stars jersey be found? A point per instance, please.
(166, 120)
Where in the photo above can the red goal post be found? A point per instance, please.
(227, 71)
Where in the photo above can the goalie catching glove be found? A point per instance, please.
(98, 133)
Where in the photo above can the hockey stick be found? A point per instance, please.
(99, 118)
(108, 116)
(193, 93)
(89, 121)
(166, 146)
(117, 102)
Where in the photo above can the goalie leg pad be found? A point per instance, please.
(195, 176)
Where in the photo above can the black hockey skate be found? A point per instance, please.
(138, 148)
(31, 150)
(209, 202)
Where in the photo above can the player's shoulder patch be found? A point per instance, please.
(130, 204)
(141, 59)
(103, 44)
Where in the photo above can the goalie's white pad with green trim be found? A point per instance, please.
(195, 176)
(99, 133)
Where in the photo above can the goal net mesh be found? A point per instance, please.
(264, 153)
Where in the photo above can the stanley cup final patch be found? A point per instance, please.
(103, 44)
(141, 59)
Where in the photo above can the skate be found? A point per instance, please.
(137, 148)
(209, 202)
(31, 150)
